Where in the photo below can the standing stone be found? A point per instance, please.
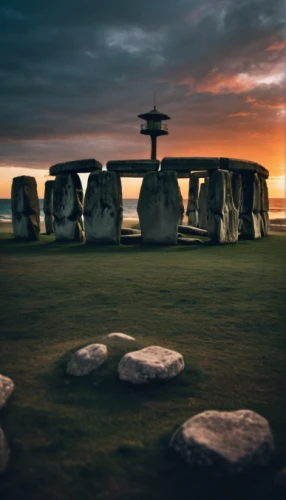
(192, 208)
(25, 208)
(264, 217)
(68, 207)
(49, 206)
(4, 451)
(237, 195)
(222, 213)
(159, 208)
(202, 211)
(182, 208)
(229, 442)
(251, 207)
(103, 208)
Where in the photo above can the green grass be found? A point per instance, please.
(222, 307)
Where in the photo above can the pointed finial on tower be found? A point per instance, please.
(154, 99)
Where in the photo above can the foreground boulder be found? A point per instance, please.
(232, 442)
(149, 364)
(87, 359)
(4, 451)
(6, 388)
(223, 218)
(25, 208)
(159, 208)
(68, 207)
(189, 241)
(192, 230)
(119, 336)
(49, 206)
(103, 208)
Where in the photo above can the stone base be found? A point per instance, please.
(250, 226)
(49, 223)
(264, 223)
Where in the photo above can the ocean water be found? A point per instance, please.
(277, 209)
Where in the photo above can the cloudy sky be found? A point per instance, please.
(75, 74)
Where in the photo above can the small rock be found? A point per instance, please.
(227, 441)
(189, 241)
(6, 388)
(87, 359)
(119, 336)
(151, 363)
(4, 451)
(130, 239)
(129, 230)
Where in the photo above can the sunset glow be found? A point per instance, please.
(74, 82)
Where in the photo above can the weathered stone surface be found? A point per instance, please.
(49, 206)
(241, 166)
(189, 241)
(131, 239)
(68, 207)
(120, 336)
(251, 206)
(202, 209)
(264, 195)
(87, 359)
(103, 208)
(192, 230)
(129, 230)
(149, 364)
(232, 442)
(193, 201)
(188, 164)
(132, 168)
(76, 166)
(223, 217)
(6, 388)
(25, 208)
(264, 223)
(159, 208)
(236, 184)
(4, 451)
(182, 208)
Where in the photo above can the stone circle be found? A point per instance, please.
(231, 442)
(149, 364)
(87, 359)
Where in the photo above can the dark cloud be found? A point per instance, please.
(74, 75)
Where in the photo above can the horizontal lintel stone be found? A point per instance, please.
(138, 168)
(238, 165)
(188, 164)
(76, 166)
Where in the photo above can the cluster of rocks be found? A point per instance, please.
(137, 367)
(231, 202)
(6, 388)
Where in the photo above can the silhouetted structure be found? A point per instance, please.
(154, 128)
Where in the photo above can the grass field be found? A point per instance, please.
(95, 437)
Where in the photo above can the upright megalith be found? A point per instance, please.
(182, 208)
(251, 206)
(264, 217)
(103, 208)
(222, 213)
(159, 208)
(49, 206)
(202, 206)
(68, 207)
(193, 198)
(25, 208)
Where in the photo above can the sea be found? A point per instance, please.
(277, 209)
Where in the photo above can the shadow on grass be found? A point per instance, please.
(103, 388)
